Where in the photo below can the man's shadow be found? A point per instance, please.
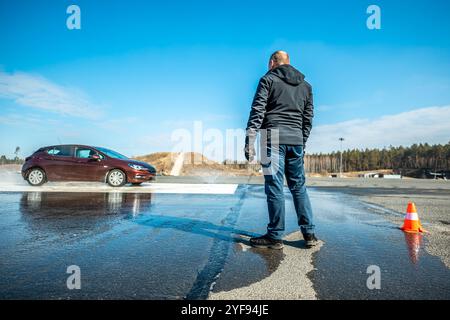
(206, 228)
(200, 227)
(299, 244)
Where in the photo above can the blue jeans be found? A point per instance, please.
(286, 160)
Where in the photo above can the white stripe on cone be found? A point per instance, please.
(412, 216)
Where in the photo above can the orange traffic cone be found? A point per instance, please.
(412, 222)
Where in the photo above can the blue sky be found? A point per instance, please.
(137, 70)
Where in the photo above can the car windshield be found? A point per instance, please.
(111, 153)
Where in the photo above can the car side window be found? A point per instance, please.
(84, 153)
(61, 151)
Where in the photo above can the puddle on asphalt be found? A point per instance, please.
(356, 238)
(150, 246)
(176, 246)
(246, 266)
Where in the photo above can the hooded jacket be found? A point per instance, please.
(283, 101)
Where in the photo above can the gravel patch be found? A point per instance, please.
(288, 282)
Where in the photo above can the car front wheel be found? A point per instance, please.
(116, 178)
(36, 177)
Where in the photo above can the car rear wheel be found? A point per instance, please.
(116, 178)
(36, 177)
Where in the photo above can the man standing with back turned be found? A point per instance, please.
(283, 106)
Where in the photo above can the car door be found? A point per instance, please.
(87, 168)
(59, 162)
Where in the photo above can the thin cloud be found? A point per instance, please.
(117, 125)
(39, 93)
(18, 120)
(431, 125)
(205, 119)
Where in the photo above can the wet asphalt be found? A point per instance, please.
(178, 246)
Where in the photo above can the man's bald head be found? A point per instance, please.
(278, 58)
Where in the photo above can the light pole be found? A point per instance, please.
(340, 160)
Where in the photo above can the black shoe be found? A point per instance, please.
(266, 242)
(310, 240)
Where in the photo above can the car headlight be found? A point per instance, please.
(137, 166)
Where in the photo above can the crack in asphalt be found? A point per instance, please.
(207, 277)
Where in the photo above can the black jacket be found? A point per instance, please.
(283, 101)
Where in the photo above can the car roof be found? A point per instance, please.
(69, 145)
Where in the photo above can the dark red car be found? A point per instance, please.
(84, 163)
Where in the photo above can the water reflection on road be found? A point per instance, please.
(175, 246)
(128, 245)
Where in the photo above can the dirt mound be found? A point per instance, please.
(162, 161)
(196, 164)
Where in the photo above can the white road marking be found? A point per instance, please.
(174, 188)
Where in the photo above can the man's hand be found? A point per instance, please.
(249, 149)
(250, 152)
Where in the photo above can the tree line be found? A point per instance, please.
(417, 156)
(15, 160)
